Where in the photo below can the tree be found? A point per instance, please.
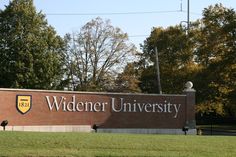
(128, 81)
(96, 54)
(216, 53)
(175, 59)
(30, 51)
(207, 56)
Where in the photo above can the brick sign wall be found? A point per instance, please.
(107, 110)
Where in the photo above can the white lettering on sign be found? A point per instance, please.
(116, 104)
(73, 106)
(166, 107)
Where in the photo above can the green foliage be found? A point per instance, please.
(206, 56)
(175, 59)
(128, 80)
(216, 54)
(30, 50)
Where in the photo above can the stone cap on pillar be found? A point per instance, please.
(189, 87)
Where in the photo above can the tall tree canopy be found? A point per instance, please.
(30, 50)
(175, 52)
(129, 79)
(206, 55)
(96, 54)
(216, 54)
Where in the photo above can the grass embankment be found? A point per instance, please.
(91, 144)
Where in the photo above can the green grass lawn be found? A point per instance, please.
(31, 144)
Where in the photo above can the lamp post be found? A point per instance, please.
(158, 73)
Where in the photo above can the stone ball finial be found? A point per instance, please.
(189, 85)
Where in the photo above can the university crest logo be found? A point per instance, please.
(23, 103)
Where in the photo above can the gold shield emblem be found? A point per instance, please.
(23, 103)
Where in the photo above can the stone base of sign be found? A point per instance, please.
(148, 131)
(87, 128)
(51, 128)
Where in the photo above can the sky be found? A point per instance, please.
(134, 17)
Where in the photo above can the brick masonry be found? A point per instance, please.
(150, 111)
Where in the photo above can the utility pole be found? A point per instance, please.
(188, 24)
(158, 73)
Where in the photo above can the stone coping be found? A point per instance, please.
(81, 92)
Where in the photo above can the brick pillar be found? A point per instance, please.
(190, 105)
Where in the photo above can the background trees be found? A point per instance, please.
(206, 56)
(217, 57)
(30, 50)
(129, 79)
(96, 54)
(175, 50)
(99, 57)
